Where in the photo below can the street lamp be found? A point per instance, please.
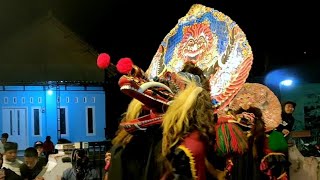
(287, 82)
(50, 92)
(281, 80)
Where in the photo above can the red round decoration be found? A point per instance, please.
(124, 65)
(103, 60)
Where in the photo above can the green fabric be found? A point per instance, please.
(277, 142)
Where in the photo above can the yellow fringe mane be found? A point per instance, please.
(133, 112)
(176, 119)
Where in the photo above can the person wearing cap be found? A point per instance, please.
(39, 147)
(10, 160)
(4, 138)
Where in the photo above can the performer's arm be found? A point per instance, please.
(218, 174)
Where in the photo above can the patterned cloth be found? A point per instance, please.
(259, 96)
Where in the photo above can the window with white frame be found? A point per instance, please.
(5, 100)
(63, 121)
(36, 121)
(90, 120)
(14, 100)
(39, 100)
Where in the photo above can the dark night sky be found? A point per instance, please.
(280, 33)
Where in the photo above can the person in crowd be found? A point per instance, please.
(48, 147)
(39, 147)
(4, 139)
(7, 174)
(10, 160)
(31, 167)
(287, 122)
(81, 170)
(287, 118)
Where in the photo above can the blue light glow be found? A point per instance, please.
(287, 82)
(50, 92)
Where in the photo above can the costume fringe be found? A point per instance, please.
(192, 161)
(230, 139)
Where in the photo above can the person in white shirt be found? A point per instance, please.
(10, 160)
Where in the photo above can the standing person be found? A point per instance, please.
(10, 160)
(287, 122)
(287, 118)
(48, 147)
(31, 166)
(4, 139)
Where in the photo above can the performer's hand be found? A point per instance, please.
(39, 178)
(285, 132)
(222, 175)
(107, 157)
(107, 161)
(218, 174)
(2, 174)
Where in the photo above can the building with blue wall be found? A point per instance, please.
(50, 85)
(30, 113)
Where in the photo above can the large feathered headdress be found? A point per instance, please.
(214, 43)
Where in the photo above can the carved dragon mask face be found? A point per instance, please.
(156, 95)
(206, 38)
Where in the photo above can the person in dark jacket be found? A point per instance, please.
(31, 167)
(48, 147)
(287, 118)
